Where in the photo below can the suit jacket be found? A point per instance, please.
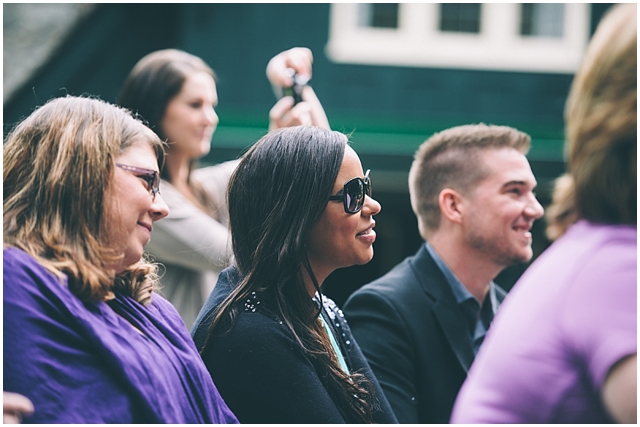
(413, 333)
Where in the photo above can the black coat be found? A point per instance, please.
(415, 337)
(261, 371)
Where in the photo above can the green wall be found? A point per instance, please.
(388, 110)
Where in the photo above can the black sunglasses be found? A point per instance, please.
(150, 176)
(354, 192)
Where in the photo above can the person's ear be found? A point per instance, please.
(450, 203)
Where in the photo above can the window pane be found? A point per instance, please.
(460, 17)
(378, 15)
(542, 19)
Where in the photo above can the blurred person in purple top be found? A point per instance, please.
(563, 348)
(86, 339)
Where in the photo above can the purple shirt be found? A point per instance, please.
(567, 321)
(83, 363)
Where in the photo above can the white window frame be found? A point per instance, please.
(418, 42)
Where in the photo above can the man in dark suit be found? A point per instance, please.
(421, 324)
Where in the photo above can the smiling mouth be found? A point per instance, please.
(148, 227)
(526, 231)
(206, 134)
(369, 231)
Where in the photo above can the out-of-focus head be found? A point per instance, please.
(59, 166)
(156, 80)
(277, 194)
(452, 159)
(601, 122)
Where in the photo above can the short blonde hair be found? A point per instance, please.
(450, 159)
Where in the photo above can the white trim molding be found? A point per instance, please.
(417, 42)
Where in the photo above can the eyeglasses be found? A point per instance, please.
(150, 176)
(354, 192)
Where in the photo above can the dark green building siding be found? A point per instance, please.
(390, 110)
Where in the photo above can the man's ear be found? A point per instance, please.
(450, 205)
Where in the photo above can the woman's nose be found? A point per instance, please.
(371, 206)
(159, 208)
(211, 116)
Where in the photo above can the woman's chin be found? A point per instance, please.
(205, 147)
(366, 258)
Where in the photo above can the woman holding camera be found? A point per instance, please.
(300, 207)
(175, 92)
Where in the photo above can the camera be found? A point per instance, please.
(295, 91)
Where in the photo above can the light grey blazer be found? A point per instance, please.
(191, 246)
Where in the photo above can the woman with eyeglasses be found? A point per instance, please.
(175, 92)
(86, 338)
(300, 207)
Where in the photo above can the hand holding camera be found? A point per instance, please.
(298, 59)
(289, 73)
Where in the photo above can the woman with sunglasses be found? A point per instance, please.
(300, 207)
(86, 339)
(175, 92)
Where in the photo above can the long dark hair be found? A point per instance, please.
(276, 195)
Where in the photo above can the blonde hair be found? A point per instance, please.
(58, 163)
(601, 122)
(561, 213)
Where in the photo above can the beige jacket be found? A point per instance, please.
(192, 247)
